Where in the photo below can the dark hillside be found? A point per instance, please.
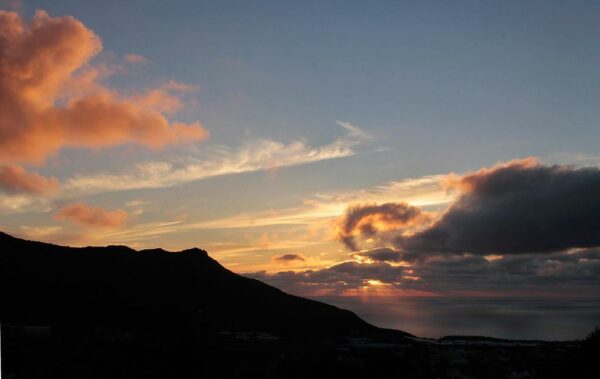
(44, 284)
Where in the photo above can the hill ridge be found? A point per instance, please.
(118, 285)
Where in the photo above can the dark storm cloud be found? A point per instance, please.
(516, 208)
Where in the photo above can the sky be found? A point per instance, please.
(343, 149)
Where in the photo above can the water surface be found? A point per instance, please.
(512, 318)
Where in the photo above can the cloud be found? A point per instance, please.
(516, 228)
(56, 234)
(22, 202)
(550, 273)
(321, 211)
(355, 132)
(516, 207)
(86, 215)
(15, 179)
(158, 100)
(379, 254)
(341, 278)
(426, 191)
(52, 98)
(165, 99)
(286, 258)
(557, 274)
(371, 219)
(136, 58)
(254, 156)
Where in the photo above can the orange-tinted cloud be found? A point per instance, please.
(135, 58)
(159, 100)
(474, 180)
(84, 214)
(50, 98)
(368, 220)
(15, 179)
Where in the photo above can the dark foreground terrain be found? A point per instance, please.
(41, 352)
(118, 313)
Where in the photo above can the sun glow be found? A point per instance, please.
(375, 282)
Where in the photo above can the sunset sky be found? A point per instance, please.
(329, 148)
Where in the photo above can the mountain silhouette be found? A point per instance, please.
(45, 284)
(114, 312)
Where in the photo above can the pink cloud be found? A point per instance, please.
(86, 215)
(51, 98)
(15, 179)
(136, 58)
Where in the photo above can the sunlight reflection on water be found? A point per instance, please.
(512, 318)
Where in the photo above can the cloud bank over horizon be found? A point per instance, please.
(519, 224)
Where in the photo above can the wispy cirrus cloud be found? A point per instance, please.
(257, 155)
(19, 203)
(317, 215)
(326, 207)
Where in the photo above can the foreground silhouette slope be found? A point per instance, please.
(44, 284)
(113, 312)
